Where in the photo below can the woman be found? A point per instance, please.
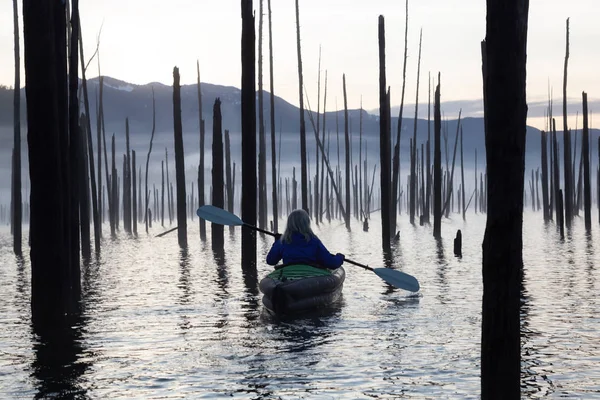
(299, 245)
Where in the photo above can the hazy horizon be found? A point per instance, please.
(142, 41)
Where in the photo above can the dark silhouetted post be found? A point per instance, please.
(262, 140)
(568, 174)
(384, 143)
(547, 214)
(179, 162)
(134, 205)
(585, 151)
(303, 162)
(347, 147)
(505, 107)
(396, 166)
(218, 197)
(458, 244)
(413, 150)
(249, 136)
(202, 222)
(437, 164)
(228, 177)
(16, 166)
(272, 115)
(45, 77)
(147, 193)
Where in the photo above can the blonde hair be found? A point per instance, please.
(298, 221)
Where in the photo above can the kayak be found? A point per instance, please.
(297, 288)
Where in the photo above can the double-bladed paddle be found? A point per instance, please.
(395, 278)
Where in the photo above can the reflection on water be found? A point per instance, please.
(160, 322)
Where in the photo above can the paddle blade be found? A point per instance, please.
(218, 216)
(398, 279)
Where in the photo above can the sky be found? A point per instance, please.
(142, 40)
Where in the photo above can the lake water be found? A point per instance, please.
(158, 323)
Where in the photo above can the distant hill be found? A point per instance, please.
(123, 99)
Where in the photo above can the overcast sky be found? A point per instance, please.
(142, 40)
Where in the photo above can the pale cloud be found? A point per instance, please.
(143, 39)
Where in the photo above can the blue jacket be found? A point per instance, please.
(301, 251)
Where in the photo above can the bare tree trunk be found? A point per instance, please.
(272, 115)
(162, 196)
(303, 163)
(127, 182)
(462, 177)
(428, 190)
(201, 196)
(146, 193)
(249, 137)
(54, 288)
(78, 138)
(585, 154)
(437, 164)
(347, 146)
(87, 130)
(559, 211)
(17, 201)
(505, 108)
(396, 161)
(73, 137)
(228, 177)
(446, 207)
(413, 150)
(218, 197)
(134, 206)
(547, 214)
(318, 132)
(323, 158)
(568, 198)
(384, 145)
(262, 141)
(179, 162)
(169, 200)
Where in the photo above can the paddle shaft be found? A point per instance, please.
(273, 234)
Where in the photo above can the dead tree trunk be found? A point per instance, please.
(87, 130)
(179, 162)
(262, 140)
(384, 144)
(585, 154)
(147, 194)
(79, 138)
(568, 175)
(249, 136)
(559, 211)
(303, 163)
(202, 221)
(462, 178)
(347, 146)
(437, 164)
(396, 165)
(218, 197)
(446, 207)
(545, 177)
(134, 205)
(413, 150)
(272, 115)
(17, 201)
(228, 178)
(45, 76)
(72, 135)
(162, 196)
(127, 182)
(505, 109)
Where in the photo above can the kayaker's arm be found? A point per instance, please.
(275, 254)
(326, 259)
